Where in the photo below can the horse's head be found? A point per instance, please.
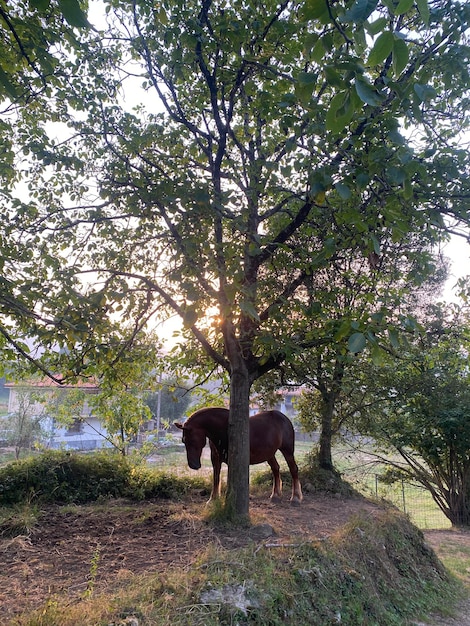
(194, 439)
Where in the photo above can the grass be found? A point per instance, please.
(6, 456)
(454, 553)
(362, 471)
(18, 520)
(374, 571)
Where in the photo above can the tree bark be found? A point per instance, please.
(329, 400)
(237, 500)
(325, 460)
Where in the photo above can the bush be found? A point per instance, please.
(66, 477)
(312, 477)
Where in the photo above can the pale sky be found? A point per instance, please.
(458, 250)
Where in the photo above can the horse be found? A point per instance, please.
(269, 431)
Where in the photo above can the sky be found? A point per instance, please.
(458, 251)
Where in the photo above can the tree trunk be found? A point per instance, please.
(325, 460)
(238, 479)
(328, 428)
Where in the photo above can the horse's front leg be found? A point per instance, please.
(276, 494)
(216, 467)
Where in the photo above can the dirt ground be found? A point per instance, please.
(70, 546)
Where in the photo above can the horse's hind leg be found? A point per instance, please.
(277, 483)
(297, 496)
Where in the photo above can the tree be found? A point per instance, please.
(276, 139)
(121, 389)
(424, 413)
(120, 404)
(30, 32)
(402, 280)
(37, 39)
(24, 424)
(170, 401)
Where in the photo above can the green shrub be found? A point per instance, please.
(319, 479)
(312, 477)
(66, 477)
(145, 484)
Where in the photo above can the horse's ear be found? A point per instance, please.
(178, 425)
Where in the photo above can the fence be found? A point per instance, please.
(413, 500)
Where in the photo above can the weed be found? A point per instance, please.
(95, 561)
(19, 520)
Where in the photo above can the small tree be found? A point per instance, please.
(425, 411)
(169, 402)
(123, 412)
(119, 403)
(24, 425)
(349, 335)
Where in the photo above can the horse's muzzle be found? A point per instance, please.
(195, 465)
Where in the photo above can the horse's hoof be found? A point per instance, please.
(275, 499)
(295, 502)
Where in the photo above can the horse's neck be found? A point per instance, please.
(217, 433)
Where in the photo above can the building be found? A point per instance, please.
(84, 432)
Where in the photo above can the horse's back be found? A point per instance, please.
(272, 420)
(270, 431)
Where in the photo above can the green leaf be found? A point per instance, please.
(333, 77)
(41, 5)
(340, 113)
(305, 85)
(367, 93)
(408, 189)
(360, 11)
(248, 308)
(378, 356)
(375, 243)
(8, 87)
(394, 338)
(423, 9)
(357, 342)
(318, 51)
(401, 56)
(343, 191)
(362, 180)
(314, 9)
(329, 247)
(190, 317)
(162, 16)
(343, 330)
(382, 48)
(287, 100)
(73, 14)
(376, 27)
(395, 175)
(424, 92)
(307, 78)
(403, 7)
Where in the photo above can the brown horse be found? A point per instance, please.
(269, 431)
